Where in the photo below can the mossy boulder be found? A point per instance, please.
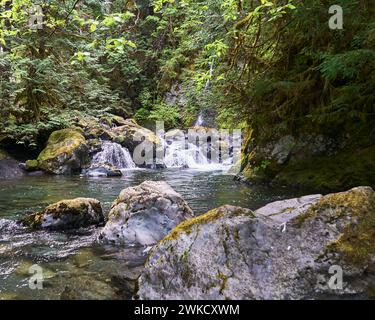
(4, 155)
(346, 169)
(144, 214)
(234, 253)
(66, 152)
(311, 161)
(66, 214)
(127, 133)
(31, 165)
(94, 129)
(130, 135)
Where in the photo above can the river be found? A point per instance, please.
(74, 265)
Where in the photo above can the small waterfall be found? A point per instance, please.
(115, 155)
(200, 121)
(207, 86)
(181, 154)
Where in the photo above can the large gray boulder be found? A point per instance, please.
(285, 210)
(233, 253)
(144, 214)
(66, 214)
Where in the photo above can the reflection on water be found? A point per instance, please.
(74, 265)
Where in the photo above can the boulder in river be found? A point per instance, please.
(144, 214)
(130, 135)
(9, 168)
(104, 169)
(233, 253)
(67, 214)
(65, 153)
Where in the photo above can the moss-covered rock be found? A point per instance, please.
(347, 169)
(66, 214)
(66, 152)
(94, 129)
(4, 155)
(31, 165)
(131, 134)
(127, 133)
(353, 214)
(311, 161)
(233, 253)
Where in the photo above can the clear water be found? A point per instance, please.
(73, 261)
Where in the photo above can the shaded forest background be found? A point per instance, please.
(273, 68)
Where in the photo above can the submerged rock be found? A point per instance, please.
(233, 253)
(100, 170)
(144, 214)
(65, 153)
(67, 214)
(86, 287)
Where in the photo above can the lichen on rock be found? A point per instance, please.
(130, 135)
(231, 253)
(144, 214)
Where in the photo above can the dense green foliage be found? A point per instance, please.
(274, 66)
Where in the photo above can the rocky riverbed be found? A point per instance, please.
(99, 227)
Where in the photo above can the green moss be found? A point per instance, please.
(32, 165)
(212, 215)
(224, 280)
(356, 207)
(357, 242)
(3, 155)
(61, 142)
(63, 208)
(345, 170)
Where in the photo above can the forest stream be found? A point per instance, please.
(74, 259)
(187, 150)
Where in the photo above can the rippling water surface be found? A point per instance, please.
(74, 265)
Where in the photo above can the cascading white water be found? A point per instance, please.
(113, 154)
(207, 86)
(179, 154)
(200, 121)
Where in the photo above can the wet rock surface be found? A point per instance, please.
(234, 253)
(105, 170)
(66, 214)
